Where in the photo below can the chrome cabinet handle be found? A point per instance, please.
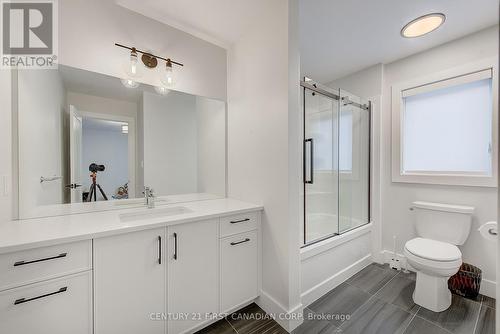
(239, 242)
(159, 249)
(175, 246)
(239, 221)
(24, 300)
(22, 263)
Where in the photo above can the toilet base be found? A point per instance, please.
(432, 292)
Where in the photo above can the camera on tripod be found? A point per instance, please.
(92, 195)
(94, 168)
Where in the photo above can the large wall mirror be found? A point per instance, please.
(88, 143)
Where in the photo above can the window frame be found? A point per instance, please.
(436, 81)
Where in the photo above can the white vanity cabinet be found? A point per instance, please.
(57, 306)
(47, 290)
(193, 280)
(163, 278)
(130, 283)
(239, 260)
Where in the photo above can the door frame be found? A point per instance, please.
(132, 136)
(74, 113)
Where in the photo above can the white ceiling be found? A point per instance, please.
(220, 22)
(337, 37)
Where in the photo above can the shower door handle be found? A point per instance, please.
(311, 161)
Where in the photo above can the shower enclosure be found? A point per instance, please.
(336, 166)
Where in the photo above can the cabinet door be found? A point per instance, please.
(192, 274)
(239, 269)
(130, 283)
(56, 306)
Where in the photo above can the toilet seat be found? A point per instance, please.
(433, 257)
(433, 250)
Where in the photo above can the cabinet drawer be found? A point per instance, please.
(57, 306)
(239, 269)
(238, 223)
(33, 265)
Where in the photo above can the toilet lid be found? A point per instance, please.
(433, 249)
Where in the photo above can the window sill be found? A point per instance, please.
(447, 179)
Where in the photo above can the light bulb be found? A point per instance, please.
(129, 83)
(132, 66)
(162, 90)
(168, 77)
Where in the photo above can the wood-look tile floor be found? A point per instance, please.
(375, 300)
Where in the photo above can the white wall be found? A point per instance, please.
(170, 143)
(211, 146)
(41, 112)
(397, 197)
(365, 83)
(102, 105)
(109, 148)
(88, 30)
(6, 197)
(264, 150)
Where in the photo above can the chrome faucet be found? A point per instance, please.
(149, 197)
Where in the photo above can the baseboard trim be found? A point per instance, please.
(332, 282)
(288, 319)
(488, 288)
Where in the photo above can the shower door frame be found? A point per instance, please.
(326, 91)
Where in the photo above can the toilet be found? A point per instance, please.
(434, 254)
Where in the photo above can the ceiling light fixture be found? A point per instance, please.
(125, 128)
(150, 61)
(423, 25)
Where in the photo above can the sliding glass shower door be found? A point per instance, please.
(336, 162)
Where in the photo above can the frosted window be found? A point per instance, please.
(449, 129)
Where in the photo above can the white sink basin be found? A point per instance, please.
(154, 213)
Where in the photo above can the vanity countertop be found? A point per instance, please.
(31, 233)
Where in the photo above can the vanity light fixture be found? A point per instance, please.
(150, 61)
(423, 25)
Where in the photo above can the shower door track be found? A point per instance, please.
(320, 89)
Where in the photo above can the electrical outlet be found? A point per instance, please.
(395, 264)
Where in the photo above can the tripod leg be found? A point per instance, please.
(89, 196)
(102, 192)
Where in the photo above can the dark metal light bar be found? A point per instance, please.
(147, 53)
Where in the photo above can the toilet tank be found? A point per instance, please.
(443, 222)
